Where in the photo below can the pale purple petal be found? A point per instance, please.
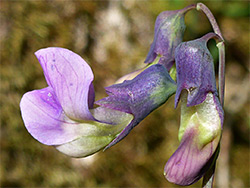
(188, 163)
(88, 144)
(43, 117)
(45, 120)
(70, 77)
(200, 134)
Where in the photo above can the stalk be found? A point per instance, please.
(221, 47)
(209, 176)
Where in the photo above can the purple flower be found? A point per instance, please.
(168, 33)
(195, 70)
(201, 113)
(200, 133)
(139, 96)
(62, 114)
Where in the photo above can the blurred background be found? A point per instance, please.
(114, 38)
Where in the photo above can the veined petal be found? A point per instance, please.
(45, 120)
(43, 117)
(200, 133)
(188, 164)
(70, 77)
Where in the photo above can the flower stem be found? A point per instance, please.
(221, 48)
(210, 16)
(220, 45)
(189, 7)
(209, 176)
(208, 179)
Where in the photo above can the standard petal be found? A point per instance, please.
(45, 120)
(70, 77)
(43, 117)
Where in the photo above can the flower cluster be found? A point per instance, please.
(63, 114)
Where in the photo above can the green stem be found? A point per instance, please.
(221, 48)
(209, 176)
(220, 45)
(210, 16)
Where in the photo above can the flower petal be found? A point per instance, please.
(188, 164)
(200, 133)
(45, 120)
(43, 117)
(70, 77)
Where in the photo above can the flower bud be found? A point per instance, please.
(201, 113)
(139, 96)
(195, 70)
(169, 30)
(62, 114)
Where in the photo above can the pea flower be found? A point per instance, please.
(62, 114)
(201, 113)
(168, 34)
